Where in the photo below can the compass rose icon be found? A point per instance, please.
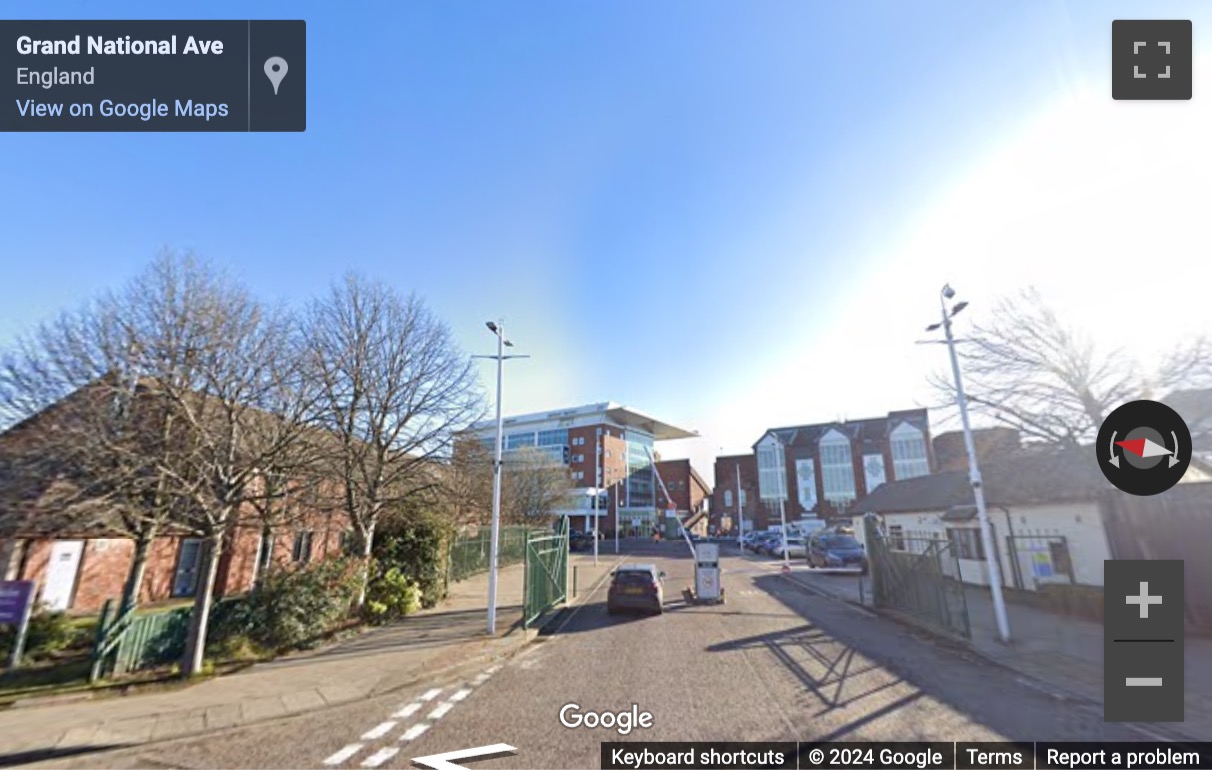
(1133, 442)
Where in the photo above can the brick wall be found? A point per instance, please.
(725, 480)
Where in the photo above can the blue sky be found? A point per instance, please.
(726, 214)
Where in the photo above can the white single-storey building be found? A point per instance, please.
(1043, 510)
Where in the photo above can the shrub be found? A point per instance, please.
(49, 633)
(391, 595)
(292, 609)
(415, 543)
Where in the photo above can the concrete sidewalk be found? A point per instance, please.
(1064, 655)
(426, 646)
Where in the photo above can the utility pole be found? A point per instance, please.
(978, 490)
(498, 329)
(597, 492)
(740, 510)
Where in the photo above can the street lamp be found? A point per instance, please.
(978, 490)
(498, 329)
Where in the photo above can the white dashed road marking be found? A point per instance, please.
(414, 732)
(411, 732)
(343, 754)
(380, 756)
(379, 731)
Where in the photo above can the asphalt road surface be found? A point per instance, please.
(775, 663)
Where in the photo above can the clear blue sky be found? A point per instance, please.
(694, 208)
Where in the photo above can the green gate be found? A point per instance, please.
(546, 579)
(918, 578)
(136, 642)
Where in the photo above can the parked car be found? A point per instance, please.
(636, 587)
(767, 542)
(795, 547)
(832, 549)
(750, 540)
(579, 541)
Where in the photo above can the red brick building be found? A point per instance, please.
(820, 470)
(690, 493)
(78, 565)
(727, 501)
(79, 571)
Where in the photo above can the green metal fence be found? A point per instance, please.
(546, 580)
(136, 642)
(470, 555)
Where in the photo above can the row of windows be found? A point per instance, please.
(728, 498)
(837, 466)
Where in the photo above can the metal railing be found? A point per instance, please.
(470, 555)
(546, 580)
(135, 642)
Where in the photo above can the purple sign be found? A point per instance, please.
(15, 596)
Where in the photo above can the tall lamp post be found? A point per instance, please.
(978, 490)
(740, 510)
(497, 328)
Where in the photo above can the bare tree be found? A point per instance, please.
(1027, 370)
(393, 389)
(533, 486)
(233, 386)
(89, 439)
(465, 494)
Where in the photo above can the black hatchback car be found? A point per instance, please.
(636, 587)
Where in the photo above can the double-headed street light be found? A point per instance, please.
(978, 490)
(497, 328)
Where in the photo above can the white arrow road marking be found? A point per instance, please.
(343, 754)
(414, 732)
(440, 711)
(378, 731)
(380, 756)
(460, 695)
(431, 694)
(407, 711)
(445, 761)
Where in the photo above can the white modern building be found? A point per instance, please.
(605, 446)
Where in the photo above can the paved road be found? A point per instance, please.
(775, 663)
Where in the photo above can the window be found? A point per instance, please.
(772, 474)
(300, 552)
(728, 497)
(743, 503)
(519, 440)
(189, 559)
(553, 437)
(967, 543)
(896, 537)
(909, 458)
(805, 483)
(873, 471)
(578, 458)
(837, 467)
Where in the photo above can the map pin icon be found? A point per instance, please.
(275, 70)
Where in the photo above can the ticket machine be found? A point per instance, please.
(707, 588)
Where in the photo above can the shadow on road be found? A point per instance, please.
(795, 646)
(45, 755)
